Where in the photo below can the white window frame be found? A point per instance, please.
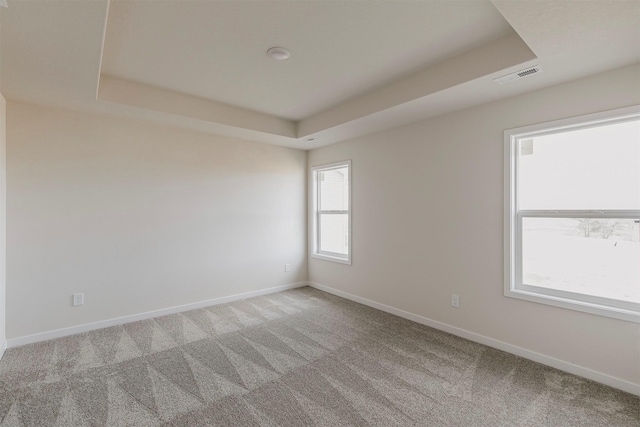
(316, 252)
(513, 281)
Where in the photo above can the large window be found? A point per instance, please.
(332, 212)
(572, 213)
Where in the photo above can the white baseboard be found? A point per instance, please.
(3, 348)
(44, 336)
(571, 368)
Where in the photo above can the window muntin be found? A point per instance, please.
(332, 214)
(573, 212)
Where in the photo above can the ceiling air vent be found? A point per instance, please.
(518, 75)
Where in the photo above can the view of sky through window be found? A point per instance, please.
(594, 168)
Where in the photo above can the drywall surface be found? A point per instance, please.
(3, 218)
(428, 222)
(140, 217)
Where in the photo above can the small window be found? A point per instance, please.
(332, 212)
(572, 213)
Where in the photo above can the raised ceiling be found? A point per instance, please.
(341, 50)
(356, 67)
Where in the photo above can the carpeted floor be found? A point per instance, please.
(297, 358)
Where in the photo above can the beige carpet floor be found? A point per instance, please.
(296, 358)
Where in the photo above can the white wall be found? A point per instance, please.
(3, 217)
(141, 217)
(428, 222)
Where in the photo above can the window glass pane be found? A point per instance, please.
(334, 233)
(592, 256)
(334, 189)
(589, 169)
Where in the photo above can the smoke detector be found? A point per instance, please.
(279, 53)
(518, 75)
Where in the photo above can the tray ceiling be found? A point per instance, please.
(355, 68)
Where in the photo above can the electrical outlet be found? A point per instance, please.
(287, 267)
(455, 300)
(78, 299)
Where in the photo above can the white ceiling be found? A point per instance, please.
(356, 67)
(340, 49)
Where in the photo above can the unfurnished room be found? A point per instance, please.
(319, 213)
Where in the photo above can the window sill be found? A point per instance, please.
(573, 304)
(331, 258)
